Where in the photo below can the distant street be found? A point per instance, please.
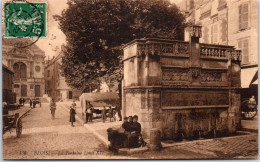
(44, 138)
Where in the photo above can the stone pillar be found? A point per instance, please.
(234, 111)
(195, 34)
(195, 67)
(155, 140)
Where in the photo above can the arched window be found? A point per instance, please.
(19, 70)
(16, 70)
(23, 70)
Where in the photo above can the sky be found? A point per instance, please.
(52, 44)
(55, 36)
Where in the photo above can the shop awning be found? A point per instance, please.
(255, 82)
(99, 99)
(247, 76)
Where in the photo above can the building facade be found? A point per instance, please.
(7, 81)
(228, 22)
(28, 67)
(55, 85)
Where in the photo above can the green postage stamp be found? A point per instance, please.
(24, 19)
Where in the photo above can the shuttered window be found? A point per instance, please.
(243, 45)
(243, 16)
(16, 86)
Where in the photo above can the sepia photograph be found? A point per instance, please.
(129, 79)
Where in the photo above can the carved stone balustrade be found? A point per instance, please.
(159, 47)
(214, 51)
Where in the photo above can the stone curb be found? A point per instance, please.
(127, 151)
(101, 138)
(249, 130)
(105, 141)
(80, 120)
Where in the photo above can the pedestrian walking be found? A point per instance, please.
(72, 115)
(74, 105)
(91, 113)
(104, 114)
(114, 115)
(118, 109)
(53, 108)
(34, 103)
(20, 101)
(30, 102)
(23, 101)
(88, 112)
(110, 113)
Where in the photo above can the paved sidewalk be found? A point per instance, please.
(236, 147)
(100, 129)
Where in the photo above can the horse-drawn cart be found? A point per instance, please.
(12, 122)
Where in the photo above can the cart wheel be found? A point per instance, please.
(19, 128)
(250, 114)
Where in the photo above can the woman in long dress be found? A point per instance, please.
(72, 113)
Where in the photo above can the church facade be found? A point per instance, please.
(27, 64)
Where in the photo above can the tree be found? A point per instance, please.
(96, 29)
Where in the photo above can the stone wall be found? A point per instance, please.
(194, 123)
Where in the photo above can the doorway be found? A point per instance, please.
(23, 90)
(70, 94)
(37, 91)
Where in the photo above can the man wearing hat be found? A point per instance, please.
(136, 127)
(125, 124)
(135, 132)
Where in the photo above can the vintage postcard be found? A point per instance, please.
(129, 79)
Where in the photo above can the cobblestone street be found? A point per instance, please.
(239, 147)
(44, 138)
